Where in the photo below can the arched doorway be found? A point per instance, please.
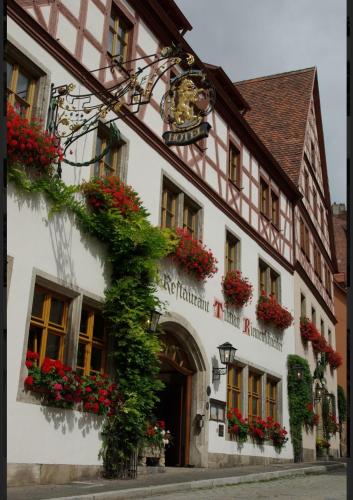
(174, 407)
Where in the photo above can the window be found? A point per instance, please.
(271, 398)
(274, 209)
(21, 88)
(178, 209)
(232, 252)
(264, 197)
(327, 280)
(217, 410)
(254, 396)
(315, 203)
(234, 172)
(313, 316)
(302, 306)
(329, 336)
(110, 164)
(306, 184)
(169, 206)
(48, 325)
(119, 33)
(307, 243)
(302, 235)
(190, 216)
(322, 217)
(269, 280)
(322, 327)
(317, 262)
(91, 353)
(313, 162)
(234, 387)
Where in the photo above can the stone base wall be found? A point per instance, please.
(309, 455)
(219, 460)
(29, 474)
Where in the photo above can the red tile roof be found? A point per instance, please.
(279, 111)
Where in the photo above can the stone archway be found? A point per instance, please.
(189, 357)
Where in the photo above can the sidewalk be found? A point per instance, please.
(174, 479)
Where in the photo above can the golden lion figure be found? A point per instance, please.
(187, 95)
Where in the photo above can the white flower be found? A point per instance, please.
(163, 432)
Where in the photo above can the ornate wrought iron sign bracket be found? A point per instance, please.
(188, 100)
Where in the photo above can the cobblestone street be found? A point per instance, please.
(316, 487)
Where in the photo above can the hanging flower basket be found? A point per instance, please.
(320, 345)
(236, 289)
(238, 426)
(308, 330)
(111, 193)
(334, 359)
(29, 145)
(269, 311)
(193, 257)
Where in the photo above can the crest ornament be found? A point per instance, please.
(183, 107)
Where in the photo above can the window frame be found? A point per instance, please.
(271, 277)
(252, 395)
(275, 221)
(118, 154)
(313, 315)
(237, 178)
(119, 17)
(302, 305)
(264, 203)
(91, 342)
(306, 184)
(234, 389)
(49, 327)
(270, 381)
(232, 243)
(169, 188)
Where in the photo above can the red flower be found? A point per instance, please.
(88, 389)
(29, 364)
(237, 290)
(28, 380)
(269, 311)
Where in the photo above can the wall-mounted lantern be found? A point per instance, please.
(318, 393)
(227, 357)
(299, 372)
(152, 322)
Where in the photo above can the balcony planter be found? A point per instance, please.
(193, 257)
(29, 145)
(322, 448)
(238, 426)
(270, 311)
(157, 453)
(308, 330)
(320, 345)
(237, 290)
(334, 359)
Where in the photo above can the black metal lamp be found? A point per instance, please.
(152, 322)
(318, 392)
(227, 357)
(299, 372)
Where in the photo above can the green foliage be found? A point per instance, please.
(299, 397)
(134, 248)
(342, 404)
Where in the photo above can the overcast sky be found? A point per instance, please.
(251, 38)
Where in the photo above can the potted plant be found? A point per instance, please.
(238, 426)
(308, 330)
(276, 433)
(334, 359)
(237, 290)
(257, 430)
(155, 440)
(322, 447)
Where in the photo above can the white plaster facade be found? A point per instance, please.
(56, 251)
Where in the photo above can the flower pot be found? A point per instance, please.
(155, 452)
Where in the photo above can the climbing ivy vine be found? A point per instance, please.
(299, 397)
(134, 248)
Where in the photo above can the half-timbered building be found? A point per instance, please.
(233, 190)
(285, 113)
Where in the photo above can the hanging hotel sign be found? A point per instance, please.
(183, 107)
(180, 291)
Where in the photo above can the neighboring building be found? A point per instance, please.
(285, 113)
(233, 191)
(340, 293)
